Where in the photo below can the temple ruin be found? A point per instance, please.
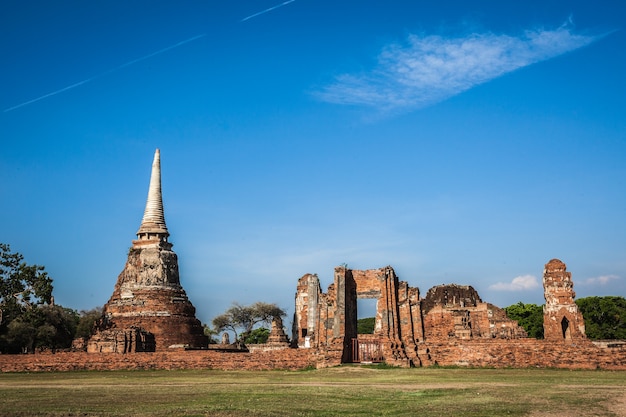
(404, 321)
(149, 309)
(561, 318)
(407, 326)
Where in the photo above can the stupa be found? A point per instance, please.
(149, 309)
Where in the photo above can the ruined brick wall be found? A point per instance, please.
(392, 314)
(289, 359)
(129, 340)
(518, 353)
(457, 311)
(410, 319)
(402, 319)
(305, 332)
(451, 295)
(438, 324)
(561, 318)
(451, 325)
(344, 323)
(331, 323)
(524, 353)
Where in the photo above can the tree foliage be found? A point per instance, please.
(43, 327)
(605, 317)
(365, 325)
(22, 286)
(86, 321)
(211, 333)
(29, 320)
(529, 316)
(257, 336)
(24, 291)
(241, 320)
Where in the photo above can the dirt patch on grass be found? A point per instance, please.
(617, 405)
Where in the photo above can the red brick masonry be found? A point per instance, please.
(518, 353)
(525, 353)
(290, 359)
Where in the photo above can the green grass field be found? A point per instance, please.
(342, 391)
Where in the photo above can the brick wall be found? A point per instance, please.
(517, 353)
(524, 353)
(290, 359)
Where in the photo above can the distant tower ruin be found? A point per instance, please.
(561, 318)
(149, 309)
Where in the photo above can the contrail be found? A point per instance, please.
(267, 10)
(85, 81)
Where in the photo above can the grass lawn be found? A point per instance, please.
(341, 391)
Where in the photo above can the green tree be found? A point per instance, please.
(42, 327)
(56, 326)
(245, 318)
(86, 321)
(22, 286)
(605, 317)
(257, 336)
(24, 291)
(529, 316)
(19, 337)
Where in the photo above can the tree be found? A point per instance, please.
(56, 326)
(22, 286)
(244, 318)
(86, 321)
(605, 317)
(258, 336)
(43, 327)
(211, 333)
(23, 290)
(529, 316)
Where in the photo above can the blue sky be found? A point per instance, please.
(462, 142)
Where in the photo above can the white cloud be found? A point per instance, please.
(601, 280)
(521, 283)
(429, 69)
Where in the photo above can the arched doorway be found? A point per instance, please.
(565, 328)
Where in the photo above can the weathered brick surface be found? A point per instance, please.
(403, 319)
(290, 359)
(148, 296)
(457, 311)
(524, 353)
(561, 318)
(517, 353)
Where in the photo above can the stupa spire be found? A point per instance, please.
(153, 222)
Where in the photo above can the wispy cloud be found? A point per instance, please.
(601, 280)
(267, 10)
(429, 69)
(521, 283)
